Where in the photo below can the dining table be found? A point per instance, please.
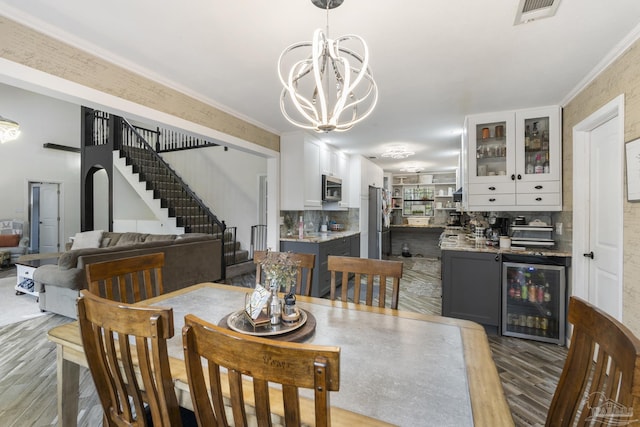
(396, 367)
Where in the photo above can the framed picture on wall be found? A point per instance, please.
(633, 170)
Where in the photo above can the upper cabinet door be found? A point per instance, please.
(513, 160)
(312, 176)
(491, 148)
(538, 150)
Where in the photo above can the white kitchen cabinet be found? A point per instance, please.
(300, 177)
(513, 160)
(363, 173)
(343, 173)
(372, 176)
(329, 164)
(303, 161)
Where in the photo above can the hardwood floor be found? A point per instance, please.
(529, 370)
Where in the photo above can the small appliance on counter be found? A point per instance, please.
(499, 225)
(537, 233)
(454, 219)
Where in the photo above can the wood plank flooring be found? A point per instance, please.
(529, 370)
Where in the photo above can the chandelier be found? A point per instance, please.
(9, 130)
(399, 152)
(331, 87)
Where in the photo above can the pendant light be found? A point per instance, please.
(330, 87)
(9, 130)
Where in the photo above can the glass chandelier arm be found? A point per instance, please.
(302, 104)
(319, 50)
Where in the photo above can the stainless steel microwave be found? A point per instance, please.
(331, 189)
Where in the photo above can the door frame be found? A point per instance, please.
(263, 199)
(614, 109)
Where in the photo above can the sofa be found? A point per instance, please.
(12, 239)
(189, 259)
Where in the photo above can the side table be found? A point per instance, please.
(25, 269)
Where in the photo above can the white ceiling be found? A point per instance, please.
(434, 62)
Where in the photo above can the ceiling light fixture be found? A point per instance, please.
(9, 130)
(411, 169)
(399, 152)
(330, 88)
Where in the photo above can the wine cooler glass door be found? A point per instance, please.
(533, 301)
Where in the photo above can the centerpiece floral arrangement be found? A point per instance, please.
(280, 269)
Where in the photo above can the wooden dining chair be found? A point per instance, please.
(370, 269)
(127, 280)
(126, 350)
(600, 381)
(292, 365)
(306, 262)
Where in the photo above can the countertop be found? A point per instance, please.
(416, 226)
(481, 246)
(319, 237)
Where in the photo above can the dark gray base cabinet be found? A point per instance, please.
(471, 287)
(321, 282)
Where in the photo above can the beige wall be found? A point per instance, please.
(28, 47)
(621, 77)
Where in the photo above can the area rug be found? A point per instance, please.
(15, 308)
(7, 271)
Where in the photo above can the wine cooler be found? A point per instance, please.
(533, 301)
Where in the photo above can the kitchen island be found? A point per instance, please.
(422, 239)
(323, 244)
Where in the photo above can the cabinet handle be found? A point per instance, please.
(513, 177)
(538, 199)
(497, 258)
(588, 255)
(519, 176)
(492, 199)
(538, 187)
(492, 188)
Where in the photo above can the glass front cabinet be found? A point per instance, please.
(513, 160)
(533, 301)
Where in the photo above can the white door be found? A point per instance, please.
(598, 168)
(49, 218)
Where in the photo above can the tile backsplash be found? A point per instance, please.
(314, 219)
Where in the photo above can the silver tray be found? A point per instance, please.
(239, 322)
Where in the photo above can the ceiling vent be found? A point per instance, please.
(531, 10)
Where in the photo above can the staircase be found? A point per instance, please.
(159, 186)
(189, 211)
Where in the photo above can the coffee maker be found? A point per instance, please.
(454, 219)
(499, 225)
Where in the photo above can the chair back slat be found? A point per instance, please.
(342, 267)
(266, 361)
(128, 280)
(304, 274)
(600, 381)
(128, 376)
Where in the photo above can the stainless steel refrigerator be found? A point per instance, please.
(379, 217)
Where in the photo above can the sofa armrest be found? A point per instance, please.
(51, 275)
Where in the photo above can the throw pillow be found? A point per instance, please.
(131, 238)
(9, 240)
(104, 243)
(87, 239)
